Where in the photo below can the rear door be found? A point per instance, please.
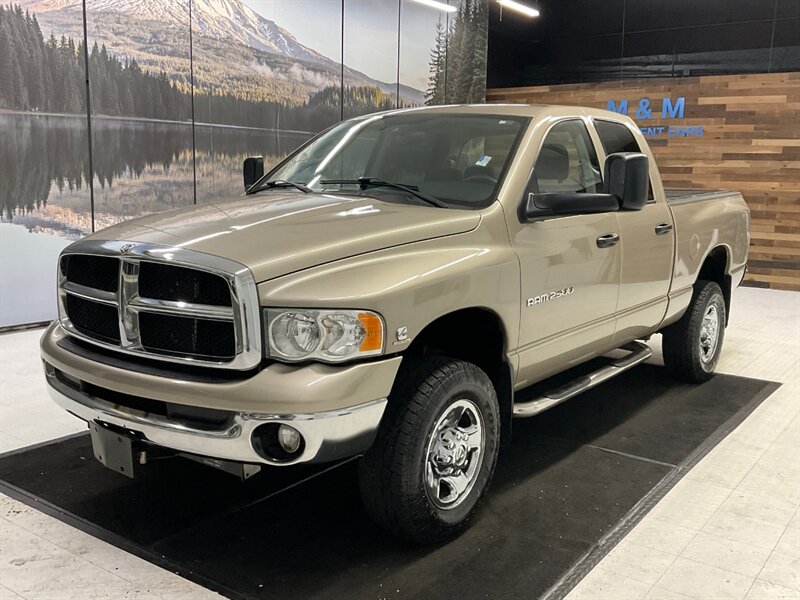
(569, 282)
(647, 247)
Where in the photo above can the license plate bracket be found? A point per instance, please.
(115, 451)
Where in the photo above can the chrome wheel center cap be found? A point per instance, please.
(450, 450)
(454, 456)
(709, 334)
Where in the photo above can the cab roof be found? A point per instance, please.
(517, 110)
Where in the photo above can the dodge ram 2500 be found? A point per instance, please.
(384, 291)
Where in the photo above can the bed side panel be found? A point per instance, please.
(703, 222)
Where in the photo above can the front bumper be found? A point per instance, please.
(346, 427)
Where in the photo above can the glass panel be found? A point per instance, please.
(139, 78)
(457, 158)
(443, 53)
(267, 76)
(465, 77)
(616, 137)
(370, 57)
(567, 162)
(44, 193)
(423, 37)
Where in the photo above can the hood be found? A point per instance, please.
(276, 233)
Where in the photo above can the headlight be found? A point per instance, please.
(325, 335)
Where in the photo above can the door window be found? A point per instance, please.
(567, 162)
(615, 137)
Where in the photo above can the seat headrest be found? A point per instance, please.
(553, 162)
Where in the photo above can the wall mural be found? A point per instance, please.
(180, 92)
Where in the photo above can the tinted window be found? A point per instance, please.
(567, 162)
(616, 137)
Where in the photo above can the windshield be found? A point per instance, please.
(457, 159)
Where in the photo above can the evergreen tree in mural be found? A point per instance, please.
(458, 59)
(435, 91)
(48, 76)
(37, 75)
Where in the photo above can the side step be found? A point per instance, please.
(639, 352)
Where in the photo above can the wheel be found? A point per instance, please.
(692, 345)
(435, 451)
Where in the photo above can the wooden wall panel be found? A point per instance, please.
(751, 143)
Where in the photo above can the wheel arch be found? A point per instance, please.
(479, 336)
(716, 268)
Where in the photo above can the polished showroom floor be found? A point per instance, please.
(729, 529)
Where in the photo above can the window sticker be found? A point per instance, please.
(483, 160)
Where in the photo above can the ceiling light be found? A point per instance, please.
(437, 5)
(526, 10)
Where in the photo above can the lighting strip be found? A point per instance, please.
(524, 9)
(437, 5)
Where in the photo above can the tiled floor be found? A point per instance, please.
(729, 529)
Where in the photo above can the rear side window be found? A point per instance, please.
(616, 137)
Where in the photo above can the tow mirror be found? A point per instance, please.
(627, 178)
(253, 170)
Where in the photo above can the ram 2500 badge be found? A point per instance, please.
(385, 291)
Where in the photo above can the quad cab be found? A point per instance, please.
(385, 291)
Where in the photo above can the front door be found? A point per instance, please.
(570, 265)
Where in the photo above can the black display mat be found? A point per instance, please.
(572, 482)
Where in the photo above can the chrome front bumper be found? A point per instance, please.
(328, 436)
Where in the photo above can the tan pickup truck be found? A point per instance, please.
(385, 291)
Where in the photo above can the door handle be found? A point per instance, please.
(663, 228)
(607, 240)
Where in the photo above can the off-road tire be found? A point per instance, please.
(681, 340)
(391, 473)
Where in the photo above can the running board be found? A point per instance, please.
(639, 352)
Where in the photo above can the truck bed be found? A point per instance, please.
(703, 219)
(686, 195)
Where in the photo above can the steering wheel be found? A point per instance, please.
(483, 178)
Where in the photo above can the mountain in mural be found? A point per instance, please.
(236, 50)
(220, 19)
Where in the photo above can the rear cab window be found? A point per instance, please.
(616, 137)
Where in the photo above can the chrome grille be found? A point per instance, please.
(167, 303)
(165, 282)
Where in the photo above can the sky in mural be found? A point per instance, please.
(370, 33)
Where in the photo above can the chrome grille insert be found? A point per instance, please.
(177, 328)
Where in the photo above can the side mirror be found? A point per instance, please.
(569, 203)
(253, 170)
(627, 177)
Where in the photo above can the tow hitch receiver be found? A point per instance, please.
(241, 470)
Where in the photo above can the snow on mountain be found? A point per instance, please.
(227, 20)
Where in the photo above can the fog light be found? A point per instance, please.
(277, 442)
(289, 439)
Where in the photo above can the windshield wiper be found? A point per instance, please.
(280, 183)
(365, 182)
